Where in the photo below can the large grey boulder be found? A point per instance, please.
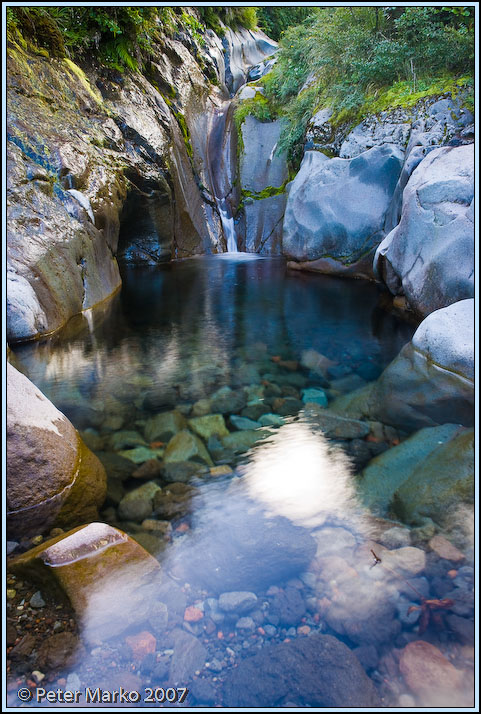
(427, 476)
(336, 209)
(53, 478)
(386, 473)
(429, 256)
(430, 382)
(260, 166)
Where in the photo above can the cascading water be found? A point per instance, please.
(222, 171)
(228, 226)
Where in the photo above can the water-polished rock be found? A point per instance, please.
(209, 425)
(386, 473)
(312, 671)
(432, 677)
(164, 426)
(53, 478)
(336, 209)
(430, 382)
(429, 256)
(109, 579)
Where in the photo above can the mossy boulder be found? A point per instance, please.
(53, 478)
(106, 575)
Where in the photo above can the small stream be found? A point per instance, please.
(256, 521)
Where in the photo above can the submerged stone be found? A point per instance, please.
(107, 577)
(209, 425)
(185, 446)
(163, 426)
(316, 671)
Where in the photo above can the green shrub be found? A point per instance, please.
(356, 54)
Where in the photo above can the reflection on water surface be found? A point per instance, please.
(200, 388)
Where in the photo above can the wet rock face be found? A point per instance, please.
(72, 162)
(336, 209)
(429, 256)
(321, 669)
(263, 174)
(53, 479)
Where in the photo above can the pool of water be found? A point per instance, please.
(200, 387)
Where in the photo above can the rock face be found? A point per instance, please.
(429, 256)
(106, 575)
(263, 175)
(244, 49)
(83, 151)
(336, 210)
(314, 671)
(432, 122)
(53, 479)
(430, 382)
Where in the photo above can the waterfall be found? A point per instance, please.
(221, 165)
(228, 226)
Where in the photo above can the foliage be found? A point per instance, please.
(231, 16)
(276, 20)
(117, 36)
(354, 55)
(258, 106)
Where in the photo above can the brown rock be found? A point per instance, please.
(193, 614)
(59, 651)
(142, 644)
(430, 676)
(445, 549)
(53, 478)
(107, 576)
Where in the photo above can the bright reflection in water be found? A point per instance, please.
(225, 335)
(297, 474)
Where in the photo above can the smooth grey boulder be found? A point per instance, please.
(312, 671)
(429, 256)
(261, 172)
(263, 224)
(430, 382)
(336, 209)
(386, 473)
(244, 49)
(426, 476)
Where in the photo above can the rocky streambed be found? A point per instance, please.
(249, 530)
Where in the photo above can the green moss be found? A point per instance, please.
(401, 95)
(185, 133)
(75, 69)
(266, 192)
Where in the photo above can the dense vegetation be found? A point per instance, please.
(362, 59)
(118, 37)
(356, 60)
